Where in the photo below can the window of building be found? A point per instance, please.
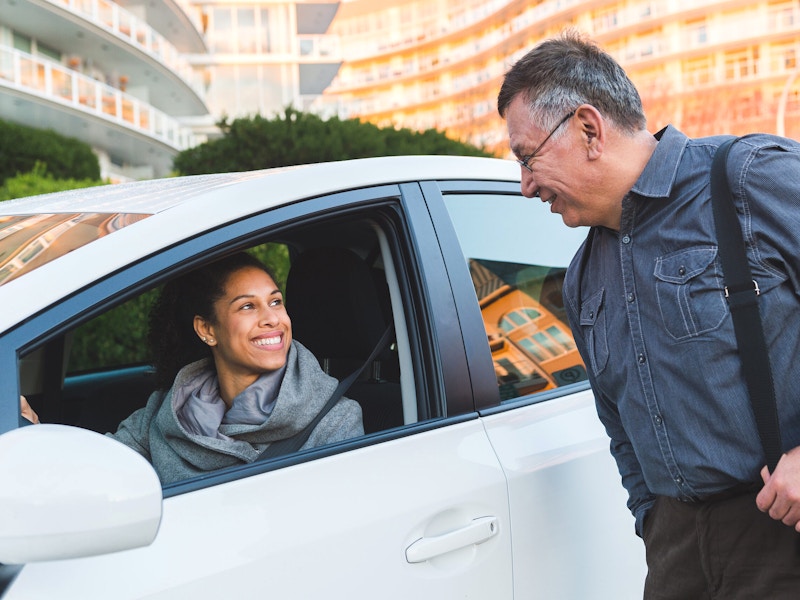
(741, 64)
(221, 35)
(246, 32)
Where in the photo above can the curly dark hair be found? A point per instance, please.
(171, 334)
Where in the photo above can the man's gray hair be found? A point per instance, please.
(561, 73)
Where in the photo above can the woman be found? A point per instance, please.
(245, 383)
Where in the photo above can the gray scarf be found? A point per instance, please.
(178, 451)
(201, 410)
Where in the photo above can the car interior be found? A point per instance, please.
(342, 293)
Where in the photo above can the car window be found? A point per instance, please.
(345, 285)
(517, 256)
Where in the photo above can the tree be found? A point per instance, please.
(295, 137)
(22, 147)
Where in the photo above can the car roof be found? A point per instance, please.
(178, 208)
(157, 195)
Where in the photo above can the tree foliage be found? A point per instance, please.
(117, 337)
(22, 147)
(295, 138)
(40, 181)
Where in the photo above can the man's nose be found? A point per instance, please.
(528, 185)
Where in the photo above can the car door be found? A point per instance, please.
(419, 510)
(573, 535)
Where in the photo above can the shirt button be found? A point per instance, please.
(658, 419)
(682, 271)
(642, 359)
(679, 480)
(630, 297)
(591, 314)
(626, 239)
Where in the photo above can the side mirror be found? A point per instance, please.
(67, 492)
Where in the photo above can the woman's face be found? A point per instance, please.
(252, 332)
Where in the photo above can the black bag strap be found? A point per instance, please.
(742, 293)
(294, 443)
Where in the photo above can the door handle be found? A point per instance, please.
(477, 532)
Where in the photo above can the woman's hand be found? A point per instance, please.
(27, 412)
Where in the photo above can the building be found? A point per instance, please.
(264, 55)
(111, 74)
(706, 66)
(141, 80)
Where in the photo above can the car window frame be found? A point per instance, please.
(482, 374)
(418, 277)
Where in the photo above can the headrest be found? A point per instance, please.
(333, 303)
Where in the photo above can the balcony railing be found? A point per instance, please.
(59, 84)
(399, 37)
(137, 32)
(387, 71)
(320, 47)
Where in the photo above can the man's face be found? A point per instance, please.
(558, 170)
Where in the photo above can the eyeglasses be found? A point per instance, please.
(523, 162)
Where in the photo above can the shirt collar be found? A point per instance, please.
(661, 170)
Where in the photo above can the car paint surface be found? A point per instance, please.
(514, 499)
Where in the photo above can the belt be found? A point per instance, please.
(740, 489)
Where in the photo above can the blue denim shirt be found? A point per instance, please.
(649, 315)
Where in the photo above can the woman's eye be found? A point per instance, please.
(276, 302)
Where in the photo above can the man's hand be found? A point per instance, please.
(27, 411)
(780, 496)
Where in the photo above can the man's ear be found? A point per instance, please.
(204, 330)
(593, 130)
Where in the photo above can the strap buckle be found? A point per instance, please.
(755, 287)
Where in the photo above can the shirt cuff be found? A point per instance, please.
(640, 514)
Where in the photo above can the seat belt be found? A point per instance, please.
(294, 443)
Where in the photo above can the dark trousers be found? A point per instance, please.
(723, 549)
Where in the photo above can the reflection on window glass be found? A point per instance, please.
(29, 241)
(517, 260)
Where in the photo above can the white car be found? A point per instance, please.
(483, 473)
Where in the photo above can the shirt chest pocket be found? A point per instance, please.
(690, 292)
(593, 323)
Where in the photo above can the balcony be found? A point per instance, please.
(42, 93)
(99, 34)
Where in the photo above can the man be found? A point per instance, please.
(646, 303)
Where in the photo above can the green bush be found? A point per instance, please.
(39, 181)
(22, 147)
(115, 338)
(295, 138)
